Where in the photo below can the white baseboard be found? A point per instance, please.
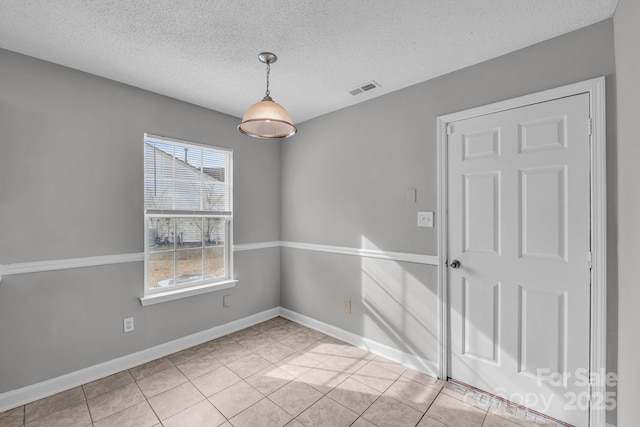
(420, 364)
(31, 393)
(21, 396)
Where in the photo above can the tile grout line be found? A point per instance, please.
(246, 337)
(86, 403)
(429, 406)
(241, 379)
(147, 401)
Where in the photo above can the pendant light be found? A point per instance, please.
(267, 119)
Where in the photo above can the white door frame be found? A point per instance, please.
(598, 320)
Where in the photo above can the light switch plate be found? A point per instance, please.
(425, 219)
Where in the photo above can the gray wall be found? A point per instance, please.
(342, 182)
(344, 179)
(627, 37)
(71, 166)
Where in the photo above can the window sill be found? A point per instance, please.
(159, 297)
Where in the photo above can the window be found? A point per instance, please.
(188, 213)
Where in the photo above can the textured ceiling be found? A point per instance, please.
(205, 51)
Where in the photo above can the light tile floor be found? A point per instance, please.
(276, 373)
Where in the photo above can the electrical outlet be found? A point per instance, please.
(128, 324)
(226, 301)
(347, 306)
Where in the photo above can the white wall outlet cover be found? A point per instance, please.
(226, 301)
(347, 306)
(425, 219)
(128, 324)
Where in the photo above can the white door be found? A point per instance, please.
(519, 226)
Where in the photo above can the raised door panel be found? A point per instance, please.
(481, 144)
(481, 212)
(549, 133)
(481, 320)
(543, 331)
(543, 212)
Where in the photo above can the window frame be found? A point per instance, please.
(161, 294)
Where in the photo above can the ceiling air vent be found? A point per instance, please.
(364, 88)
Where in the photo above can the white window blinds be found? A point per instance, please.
(183, 178)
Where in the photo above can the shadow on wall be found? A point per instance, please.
(396, 303)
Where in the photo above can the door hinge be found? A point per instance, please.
(590, 126)
(589, 391)
(449, 129)
(589, 258)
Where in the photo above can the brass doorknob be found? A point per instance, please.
(455, 264)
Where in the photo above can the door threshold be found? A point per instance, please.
(499, 406)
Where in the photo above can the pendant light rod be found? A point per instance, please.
(268, 69)
(267, 58)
